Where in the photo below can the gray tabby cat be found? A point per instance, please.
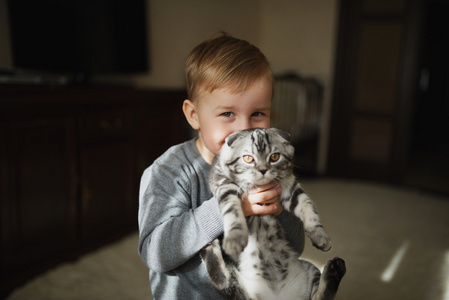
(258, 262)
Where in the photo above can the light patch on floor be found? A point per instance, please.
(445, 277)
(393, 266)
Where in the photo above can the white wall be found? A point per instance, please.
(295, 35)
(176, 26)
(300, 36)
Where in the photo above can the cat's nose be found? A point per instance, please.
(263, 171)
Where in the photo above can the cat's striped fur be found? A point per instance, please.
(258, 262)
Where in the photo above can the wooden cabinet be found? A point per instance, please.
(70, 166)
(38, 208)
(107, 171)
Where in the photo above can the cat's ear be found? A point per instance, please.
(284, 134)
(230, 139)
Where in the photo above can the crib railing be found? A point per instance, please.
(297, 108)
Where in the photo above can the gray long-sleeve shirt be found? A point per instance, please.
(178, 216)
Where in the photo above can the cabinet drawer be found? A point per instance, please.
(105, 123)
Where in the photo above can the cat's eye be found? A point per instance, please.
(248, 158)
(274, 157)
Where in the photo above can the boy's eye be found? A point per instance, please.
(257, 114)
(227, 114)
(248, 158)
(274, 157)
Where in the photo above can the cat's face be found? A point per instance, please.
(257, 156)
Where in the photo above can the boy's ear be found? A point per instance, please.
(189, 110)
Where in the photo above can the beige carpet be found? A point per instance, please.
(395, 242)
(114, 272)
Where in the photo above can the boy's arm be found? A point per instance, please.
(170, 231)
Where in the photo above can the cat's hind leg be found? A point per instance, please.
(330, 279)
(223, 277)
(215, 265)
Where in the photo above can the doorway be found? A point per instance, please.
(390, 116)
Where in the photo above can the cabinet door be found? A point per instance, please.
(108, 186)
(159, 127)
(37, 190)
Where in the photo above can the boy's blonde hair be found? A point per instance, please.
(224, 62)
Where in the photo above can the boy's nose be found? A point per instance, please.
(242, 124)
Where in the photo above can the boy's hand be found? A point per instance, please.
(263, 200)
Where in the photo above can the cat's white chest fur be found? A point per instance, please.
(258, 288)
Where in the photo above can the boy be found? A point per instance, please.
(229, 89)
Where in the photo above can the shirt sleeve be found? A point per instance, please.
(294, 230)
(170, 231)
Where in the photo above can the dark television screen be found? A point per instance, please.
(79, 36)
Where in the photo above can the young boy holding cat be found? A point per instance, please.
(229, 88)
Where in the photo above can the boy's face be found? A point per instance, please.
(218, 114)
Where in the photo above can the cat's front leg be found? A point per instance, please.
(234, 222)
(304, 208)
(318, 237)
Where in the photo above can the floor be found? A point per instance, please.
(395, 243)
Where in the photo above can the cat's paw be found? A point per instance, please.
(234, 242)
(212, 249)
(319, 238)
(334, 271)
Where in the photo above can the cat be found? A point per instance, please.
(254, 260)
